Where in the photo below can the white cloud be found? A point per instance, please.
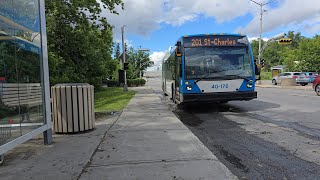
(139, 16)
(181, 11)
(157, 57)
(290, 13)
(142, 17)
(257, 38)
(312, 26)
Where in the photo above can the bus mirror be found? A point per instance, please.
(257, 72)
(178, 49)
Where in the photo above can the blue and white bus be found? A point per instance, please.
(210, 68)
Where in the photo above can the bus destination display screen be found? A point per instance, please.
(214, 40)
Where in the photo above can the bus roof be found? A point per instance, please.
(213, 34)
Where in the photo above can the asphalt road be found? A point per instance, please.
(276, 136)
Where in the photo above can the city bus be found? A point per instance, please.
(210, 68)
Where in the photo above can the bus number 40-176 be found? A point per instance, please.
(220, 86)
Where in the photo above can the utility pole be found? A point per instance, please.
(261, 13)
(139, 65)
(125, 86)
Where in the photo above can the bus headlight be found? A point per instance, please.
(189, 88)
(249, 85)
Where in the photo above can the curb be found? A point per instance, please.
(287, 87)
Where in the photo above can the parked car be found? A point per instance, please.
(316, 85)
(311, 76)
(300, 77)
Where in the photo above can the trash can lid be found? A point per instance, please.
(72, 84)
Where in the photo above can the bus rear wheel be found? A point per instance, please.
(163, 90)
(173, 97)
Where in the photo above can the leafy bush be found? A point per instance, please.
(130, 82)
(266, 75)
(112, 83)
(136, 82)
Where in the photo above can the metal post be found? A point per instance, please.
(260, 36)
(125, 86)
(140, 69)
(45, 75)
(139, 50)
(259, 56)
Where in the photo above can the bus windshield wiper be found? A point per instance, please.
(205, 76)
(238, 77)
(235, 76)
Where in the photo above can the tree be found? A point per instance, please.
(79, 41)
(139, 61)
(255, 48)
(308, 54)
(296, 39)
(289, 59)
(117, 52)
(302, 55)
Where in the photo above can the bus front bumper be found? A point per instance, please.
(220, 97)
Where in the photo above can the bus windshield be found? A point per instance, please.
(217, 62)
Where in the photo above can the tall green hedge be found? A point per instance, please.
(136, 82)
(130, 82)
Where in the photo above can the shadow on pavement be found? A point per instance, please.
(234, 106)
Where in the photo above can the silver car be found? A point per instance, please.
(300, 77)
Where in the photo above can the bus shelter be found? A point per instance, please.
(24, 79)
(276, 70)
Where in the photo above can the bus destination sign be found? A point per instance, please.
(214, 40)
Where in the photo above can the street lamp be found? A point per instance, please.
(274, 38)
(125, 86)
(261, 13)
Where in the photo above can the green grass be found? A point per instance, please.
(112, 99)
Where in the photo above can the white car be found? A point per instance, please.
(300, 77)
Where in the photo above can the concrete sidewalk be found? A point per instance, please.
(146, 141)
(149, 142)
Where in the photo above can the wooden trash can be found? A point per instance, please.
(73, 107)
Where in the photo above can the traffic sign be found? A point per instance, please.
(143, 49)
(262, 62)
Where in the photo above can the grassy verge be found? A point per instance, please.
(112, 99)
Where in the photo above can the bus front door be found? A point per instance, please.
(178, 76)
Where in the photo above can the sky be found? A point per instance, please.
(157, 24)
